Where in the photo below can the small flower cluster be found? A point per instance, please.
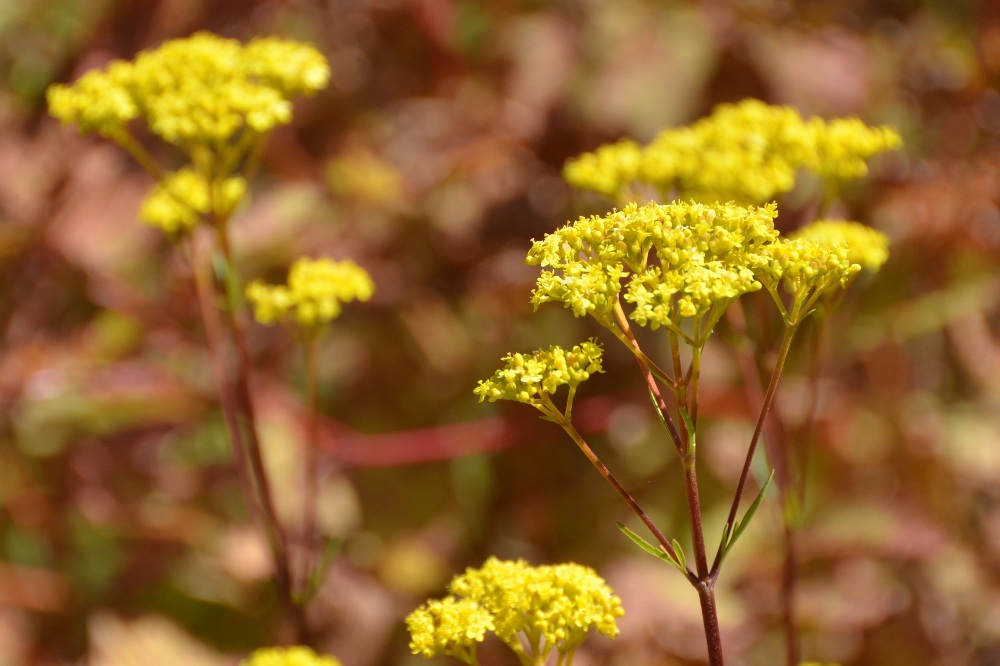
(748, 152)
(682, 259)
(314, 294)
(547, 607)
(450, 627)
(865, 246)
(533, 378)
(807, 269)
(180, 200)
(203, 90)
(291, 656)
(214, 98)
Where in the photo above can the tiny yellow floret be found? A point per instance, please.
(288, 656)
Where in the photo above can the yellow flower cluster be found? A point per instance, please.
(807, 269)
(450, 627)
(682, 259)
(533, 378)
(865, 246)
(291, 656)
(314, 294)
(203, 90)
(183, 198)
(748, 152)
(549, 606)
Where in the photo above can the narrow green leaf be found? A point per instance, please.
(689, 426)
(680, 553)
(663, 419)
(741, 525)
(318, 575)
(724, 544)
(655, 551)
(228, 276)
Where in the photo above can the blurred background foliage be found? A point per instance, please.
(432, 160)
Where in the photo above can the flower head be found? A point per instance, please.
(865, 246)
(290, 656)
(675, 260)
(182, 199)
(314, 295)
(533, 378)
(450, 627)
(202, 90)
(807, 268)
(560, 603)
(549, 606)
(749, 152)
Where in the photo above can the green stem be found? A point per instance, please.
(694, 384)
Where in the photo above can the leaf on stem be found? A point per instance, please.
(689, 426)
(741, 525)
(680, 563)
(318, 575)
(663, 419)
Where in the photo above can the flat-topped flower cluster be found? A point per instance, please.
(688, 260)
(214, 98)
(749, 152)
(203, 89)
(533, 378)
(314, 295)
(676, 260)
(534, 610)
(288, 656)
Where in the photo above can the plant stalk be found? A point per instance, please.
(624, 494)
(231, 385)
(772, 388)
(311, 466)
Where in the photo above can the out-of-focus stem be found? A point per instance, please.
(241, 427)
(311, 465)
(214, 337)
(125, 139)
(789, 580)
(244, 403)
